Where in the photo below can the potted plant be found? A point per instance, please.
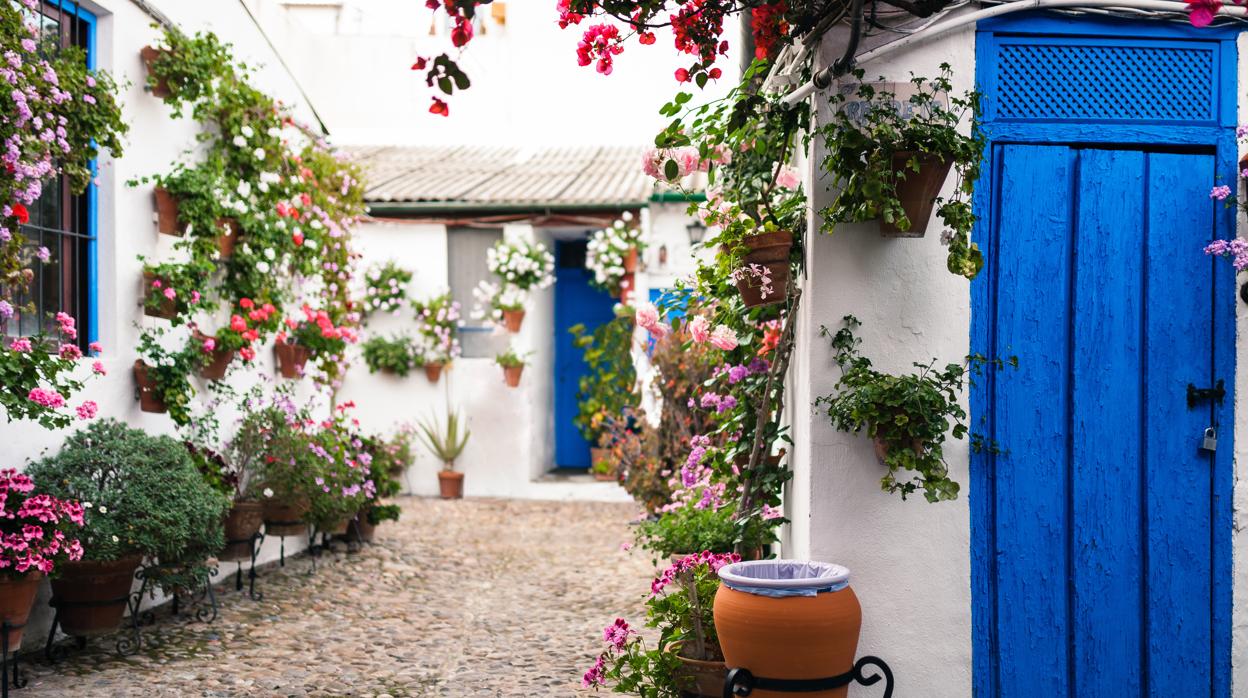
(385, 464)
(446, 445)
(273, 440)
(611, 255)
(162, 376)
(143, 498)
(687, 656)
(172, 291)
(39, 534)
(689, 528)
(906, 416)
(609, 386)
(166, 212)
(522, 266)
(500, 303)
(602, 466)
(395, 355)
(890, 158)
(343, 480)
(232, 479)
(513, 366)
(216, 353)
(437, 326)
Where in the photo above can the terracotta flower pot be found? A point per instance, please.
(770, 247)
(701, 678)
(243, 522)
(795, 637)
(218, 360)
(228, 236)
(366, 530)
(149, 55)
(512, 374)
(291, 358)
(163, 307)
(917, 192)
(771, 252)
(513, 319)
(150, 399)
(882, 448)
(451, 484)
(282, 519)
(338, 528)
(166, 212)
(102, 589)
(630, 261)
(772, 460)
(433, 372)
(17, 597)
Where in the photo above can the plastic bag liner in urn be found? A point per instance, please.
(788, 619)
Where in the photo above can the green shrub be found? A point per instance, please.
(142, 494)
(693, 530)
(396, 355)
(608, 387)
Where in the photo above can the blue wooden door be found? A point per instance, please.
(576, 303)
(1102, 507)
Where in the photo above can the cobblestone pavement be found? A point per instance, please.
(463, 598)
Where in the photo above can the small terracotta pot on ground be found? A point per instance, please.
(282, 519)
(228, 236)
(164, 307)
(218, 362)
(794, 637)
(451, 484)
(17, 597)
(917, 192)
(92, 596)
(149, 399)
(241, 524)
(433, 372)
(512, 374)
(513, 319)
(701, 678)
(149, 55)
(166, 212)
(291, 358)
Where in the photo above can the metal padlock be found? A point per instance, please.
(1210, 440)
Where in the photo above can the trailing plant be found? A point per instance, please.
(446, 444)
(522, 264)
(609, 248)
(169, 369)
(861, 144)
(385, 289)
(38, 375)
(908, 416)
(316, 331)
(396, 355)
(609, 386)
(141, 493)
(437, 329)
(38, 532)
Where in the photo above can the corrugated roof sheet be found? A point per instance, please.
(463, 175)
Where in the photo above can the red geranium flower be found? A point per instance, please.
(23, 216)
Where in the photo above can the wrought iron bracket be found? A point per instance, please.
(740, 682)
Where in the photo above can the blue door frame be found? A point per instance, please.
(1168, 128)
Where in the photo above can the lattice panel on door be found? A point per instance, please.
(1143, 83)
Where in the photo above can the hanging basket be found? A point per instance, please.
(228, 237)
(149, 398)
(166, 212)
(769, 252)
(630, 261)
(917, 191)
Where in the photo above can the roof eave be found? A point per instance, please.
(435, 208)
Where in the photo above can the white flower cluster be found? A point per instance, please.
(492, 299)
(522, 264)
(385, 289)
(607, 250)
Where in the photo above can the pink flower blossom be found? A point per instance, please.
(616, 635)
(1202, 12)
(788, 178)
(647, 318)
(87, 410)
(98, 368)
(47, 398)
(1220, 192)
(596, 673)
(210, 345)
(170, 293)
(769, 512)
(20, 345)
(95, 346)
(700, 329)
(70, 352)
(724, 339)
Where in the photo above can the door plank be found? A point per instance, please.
(1033, 281)
(1179, 554)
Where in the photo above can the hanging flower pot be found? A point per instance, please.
(92, 596)
(17, 597)
(917, 191)
(155, 302)
(150, 399)
(228, 236)
(149, 55)
(433, 372)
(281, 519)
(511, 374)
(806, 628)
(166, 212)
(241, 524)
(513, 319)
(630, 261)
(763, 277)
(882, 449)
(291, 358)
(451, 484)
(219, 359)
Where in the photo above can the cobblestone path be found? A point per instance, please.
(465, 598)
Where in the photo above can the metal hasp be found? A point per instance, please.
(1196, 395)
(740, 682)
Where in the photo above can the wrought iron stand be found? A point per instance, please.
(9, 666)
(281, 560)
(740, 682)
(255, 541)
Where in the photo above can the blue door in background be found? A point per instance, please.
(576, 303)
(1101, 529)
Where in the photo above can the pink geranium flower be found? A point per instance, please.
(700, 329)
(724, 339)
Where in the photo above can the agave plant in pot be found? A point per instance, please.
(446, 444)
(687, 658)
(143, 498)
(38, 534)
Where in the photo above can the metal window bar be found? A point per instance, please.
(58, 219)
